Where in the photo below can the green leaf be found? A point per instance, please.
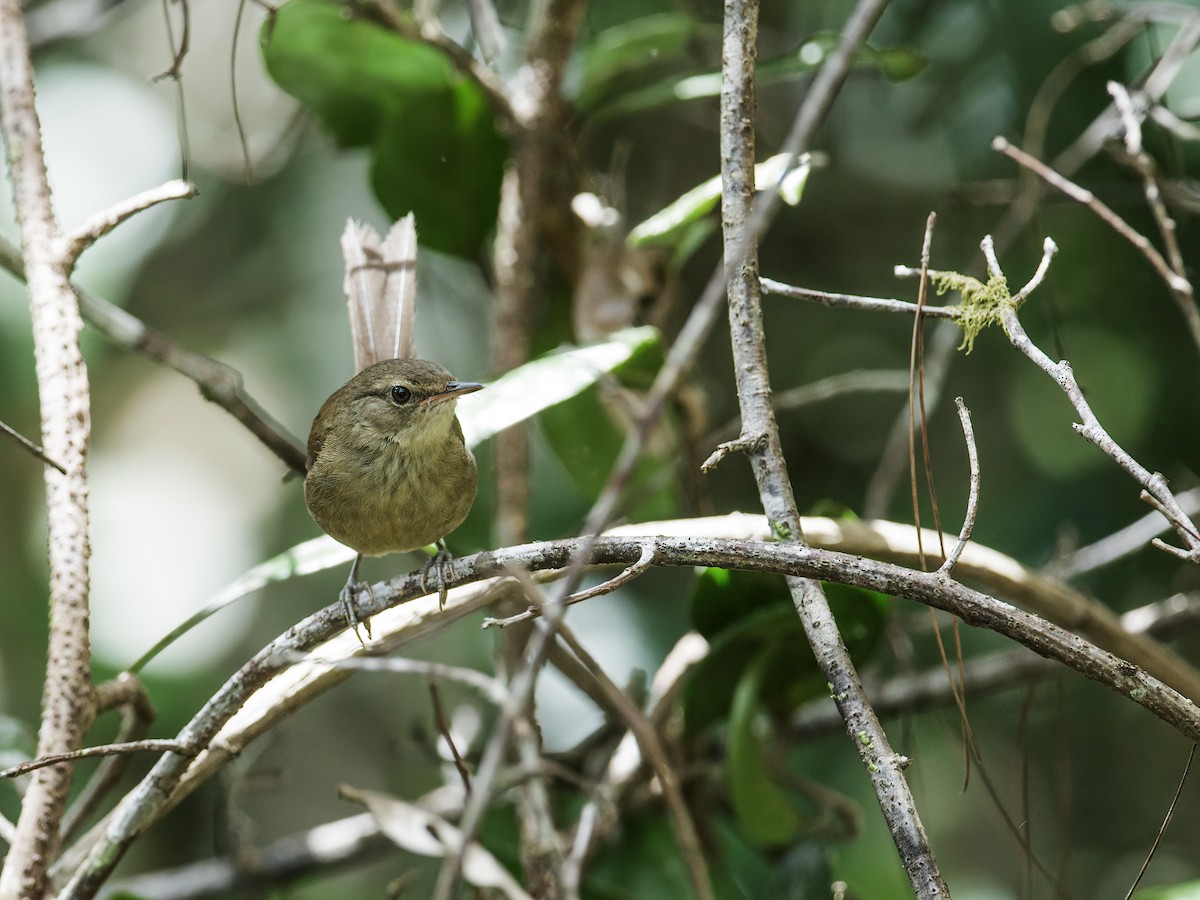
(766, 813)
(671, 226)
(352, 73)
(550, 379)
(633, 52)
(896, 64)
(1189, 890)
(435, 148)
(748, 617)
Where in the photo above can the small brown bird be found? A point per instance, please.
(388, 469)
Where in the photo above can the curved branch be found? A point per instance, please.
(270, 686)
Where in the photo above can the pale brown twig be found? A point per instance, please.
(964, 416)
(101, 223)
(652, 749)
(146, 746)
(645, 561)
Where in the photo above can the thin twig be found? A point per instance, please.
(853, 301)
(1154, 484)
(29, 445)
(964, 416)
(100, 224)
(126, 694)
(1187, 767)
(652, 750)
(1185, 299)
(443, 727)
(1085, 197)
(1123, 543)
(218, 383)
(645, 561)
(146, 746)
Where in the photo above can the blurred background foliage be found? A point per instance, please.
(342, 118)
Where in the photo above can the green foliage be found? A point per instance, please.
(759, 667)
(588, 431)
(1186, 891)
(675, 225)
(644, 862)
(766, 814)
(615, 86)
(749, 620)
(435, 149)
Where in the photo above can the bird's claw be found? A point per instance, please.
(349, 598)
(437, 564)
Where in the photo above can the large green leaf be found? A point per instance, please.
(673, 225)
(435, 148)
(634, 53)
(767, 814)
(550, 379)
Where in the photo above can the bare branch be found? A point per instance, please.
(21, 441)
(100, 224)
(1128, 540)
(147, 746)
(645, 561)
(65, 397)
(964, 416)
(853, 301)
(218, 383)
(652, 749)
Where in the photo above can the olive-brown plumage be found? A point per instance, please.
(388, 470)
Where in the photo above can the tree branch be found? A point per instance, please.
(738, 108)
(67, 693)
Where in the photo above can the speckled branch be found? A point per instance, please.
(760, 440)
(67, 693)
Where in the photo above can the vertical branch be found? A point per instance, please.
(535, 196)
(67, 698)
(761, 441)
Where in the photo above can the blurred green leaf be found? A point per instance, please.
(748, 617)
(435, 148)
(550, 379)
(1189, 890)
(630, 54)
(896, 64)
(671, 225)
(766, 813)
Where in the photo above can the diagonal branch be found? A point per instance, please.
(738, 106)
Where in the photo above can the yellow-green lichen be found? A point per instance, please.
(982, 304)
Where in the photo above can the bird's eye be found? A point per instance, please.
(400, 394)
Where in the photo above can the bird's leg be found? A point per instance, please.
(347, 596)
(437, 564)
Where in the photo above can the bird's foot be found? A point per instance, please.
(349, 597)
(436, 565)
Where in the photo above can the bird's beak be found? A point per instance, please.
(455, 389)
